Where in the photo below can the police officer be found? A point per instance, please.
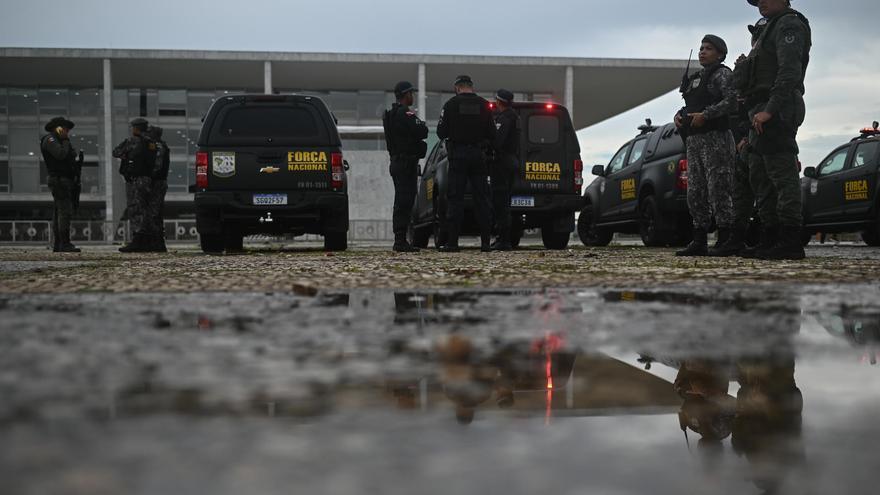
(467, 123)
(405, 136)
(504, 166)
(771, 79)
(710, 98)
(158, 189)
(63, 167)
(137, 156)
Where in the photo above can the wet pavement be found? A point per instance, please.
(680, 389)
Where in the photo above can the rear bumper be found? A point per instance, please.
(313, 212)
(552, 204)
(674, 202)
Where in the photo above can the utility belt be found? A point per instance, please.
(402, 156)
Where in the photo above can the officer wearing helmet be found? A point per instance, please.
(504, 166)
(137, 157)
(771, 79)
(62, 163)
(710, 98)
(405, 135)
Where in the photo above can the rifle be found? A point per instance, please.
(77, 180)
(685, 82)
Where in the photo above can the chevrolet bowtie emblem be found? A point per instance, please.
(269, 170)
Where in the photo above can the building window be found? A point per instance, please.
(53, 102)
(198, 103)
(172, 103)
(4, 176)
(86, 103)
(3, 101)
(22, 104)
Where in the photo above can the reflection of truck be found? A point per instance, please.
(270, 165)
(546, 191)
(842, 193)
(642, 190)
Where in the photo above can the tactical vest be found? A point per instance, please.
(468, 117)
(762, 64)
(387, 124)
(697, 98)
(57, 168)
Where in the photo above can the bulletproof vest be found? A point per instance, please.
(162, 161)
(57, 168)
(142, 165)
(697, 98)
(763, 64)
(387, 123)
(468, 117)
(511, 145)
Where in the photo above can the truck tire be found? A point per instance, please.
(420, 236)
(211, 243)
(516, 235)
(335, 241)
(589, 234)
(651, 224)
(555, 240)
(233, 242)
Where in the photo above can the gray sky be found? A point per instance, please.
(842, 93)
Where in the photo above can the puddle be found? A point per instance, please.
(770, 390)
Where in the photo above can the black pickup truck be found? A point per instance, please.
(642, 190)
(547, 190)
(842, 194)
(270, 164)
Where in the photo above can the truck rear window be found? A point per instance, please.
(269, 121)
(543, 129)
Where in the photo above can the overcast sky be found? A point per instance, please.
(842, 94)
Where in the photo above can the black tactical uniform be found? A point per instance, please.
(504, 167)
(137, 156)
(63, 168)
(158, 189)
(405, 136)
(772, 80)
(467, 123)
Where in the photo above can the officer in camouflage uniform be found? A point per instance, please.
(405, 135)
(771, 79)
(137, 157)
(743, 194)
(158, 189)
(710, 98)
(61, 164)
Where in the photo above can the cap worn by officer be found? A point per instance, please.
(464, 80)
(140, 123)
(755, 2)
(718, 43)
(404, 87)
(59, 122)
(504, 96)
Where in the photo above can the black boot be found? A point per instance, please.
(65, 246)
(486, 244)
(401, 245)
(451, 245)
(138, 244)
(769, 235)
(698, 247)
(734, 243)
(788, 247)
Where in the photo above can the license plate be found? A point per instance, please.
(523, 201)
(270, 199)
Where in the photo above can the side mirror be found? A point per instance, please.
(811, 172)
(599, 170)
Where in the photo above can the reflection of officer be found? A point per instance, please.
(504, 167)
(61, 164)
(158, 189)
(710, 98)
(467, 123)
(771, 79)
(405, 134)
(137, 155)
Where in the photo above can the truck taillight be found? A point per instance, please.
(337, 171)
(201, 169)
(681, 182)
(578, 175)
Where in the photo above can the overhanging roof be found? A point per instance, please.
(603, 87)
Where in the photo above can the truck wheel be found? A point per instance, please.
(588, 233)
(516, 235)
(555, 240)
(335, 241)
(211, 243)
(871, 237)
(420, 236)
(651, 224)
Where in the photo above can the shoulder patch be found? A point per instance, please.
(51, 139)
(411, 114)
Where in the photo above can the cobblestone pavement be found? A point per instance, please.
(187, 270)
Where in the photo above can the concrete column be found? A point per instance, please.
(107, 140)
(267, 77)
(569, 90)
(423, 97)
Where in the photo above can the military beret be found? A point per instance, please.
(504, 95)
(59, 122)
(717, 42)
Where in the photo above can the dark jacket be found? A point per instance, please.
(405, 132)
(507, 126)
(467, 119)
(59, 156)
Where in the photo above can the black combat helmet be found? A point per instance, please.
(59, 122)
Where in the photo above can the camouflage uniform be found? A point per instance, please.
(711, 157)
(137, 159)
